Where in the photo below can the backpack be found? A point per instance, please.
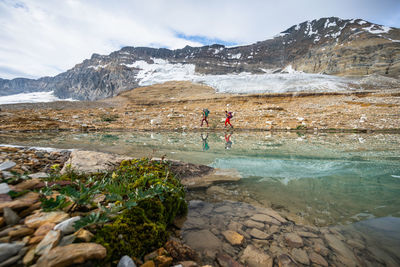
(206, 112)
(230, 116)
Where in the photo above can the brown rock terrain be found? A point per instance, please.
(178, 106)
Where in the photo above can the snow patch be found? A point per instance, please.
(97, 67)
(236, 56)
(36, 97)
(376, 29)
(361, 22)
(329, 24)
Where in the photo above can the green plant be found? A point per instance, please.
(50, 204)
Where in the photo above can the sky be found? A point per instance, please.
(46, 37)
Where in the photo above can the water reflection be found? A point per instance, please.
(205, 142)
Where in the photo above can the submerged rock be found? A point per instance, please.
(254, 257)
(233, 237)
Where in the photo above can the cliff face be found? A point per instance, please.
(328, 45)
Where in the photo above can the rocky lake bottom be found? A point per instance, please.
(302, 199)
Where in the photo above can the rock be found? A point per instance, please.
(196, 223)
(203, 239)
(10, 216)
(163, 261)
(39, 175)
(49, 241)
(253, 257)
(294, 240)
(72, 254)
(150, 256)
(273, 229)
(344, 253)
(36, 220)
(285, 261)
(36, 239)
(5, 198)
(30, 209)
(233, 237)
(67, 240)
(5, 239)
(317, 259)
(7, 230)
(215, 176)
(272, 213)
(90, 161)
(321, 249)
(2, 221)
(26, 185)
(148, 264)
(4, 188)
(225, 260)
(29, 256)
(7, 165)
(258, 234)
(23, 231)
(254, 224)
(7, 174)
(8, 250)
(356, 244)
(235, 226)
(84, 235)
(11, 261)
(126, 261)
(21, 202)
(179, 251)
(67, 226)
(223, 209)
(44, 229)
(187, 264)
(306, 234)
(265, 219)
(300, 256)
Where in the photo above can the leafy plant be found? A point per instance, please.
(51, 204)
(91, 219)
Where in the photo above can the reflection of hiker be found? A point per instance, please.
(228, 116)
(228, 144)
(205, 116)
(205, 142)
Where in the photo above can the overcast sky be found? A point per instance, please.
(45, 37)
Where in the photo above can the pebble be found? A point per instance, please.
(300, 256)
(258, 234)
(318, 259)
(126, 261)
(233, 237)
(67, 226)
(10, 216)
(294, 240)
(4, 188)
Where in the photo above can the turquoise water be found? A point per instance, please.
(324, 179)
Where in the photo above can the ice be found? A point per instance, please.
(31, 98)
(291, 81)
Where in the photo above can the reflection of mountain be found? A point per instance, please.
(286, 170)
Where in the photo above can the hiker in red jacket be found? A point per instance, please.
(228, 116)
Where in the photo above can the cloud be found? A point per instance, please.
(44, 38)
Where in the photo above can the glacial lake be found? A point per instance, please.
(324, 179)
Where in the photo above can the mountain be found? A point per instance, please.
(328, 45)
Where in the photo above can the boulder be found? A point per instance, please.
(254, 257)
(72, 254)
(36, 220)
(233, 237)
(67, 226)
(10, 216)
(126, 261)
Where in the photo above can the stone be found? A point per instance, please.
(126, 261)
(258, 234)
(23, 231)
(345, 254)
(273, 229)
(320, 249)
(36, 220)
(187, 264)
(49, 241)
(29, 256)
(223, 209)
(84, 235)
(26, 185)
(294, 240)
(11, 261)
(5, 239)
(285, 261)
(30, 209)
(4, 188)
(10, 216)
(356, 244)
(72, 254)
(2, 221)
(7, 174)
(214, 176)
(254, 257)
(7, 165)
(233, 237)
(318, 259)
(254, 224)
(179, 251)
(67, 226)
(163, 261)
(203, 239)
(225, 260)
(265, 219)
(300, 255)
(24, 201)
(44, 229)
(235, 226)
(39, 175)
(196, 223)
(67, 240)
(272, 213)
(8, 250)
(150, 256)
(36, 239)
(148, 264)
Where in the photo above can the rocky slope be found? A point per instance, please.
(328, 45)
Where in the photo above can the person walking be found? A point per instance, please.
(205, 116)
(228, 116)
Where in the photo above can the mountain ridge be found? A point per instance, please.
(328, 45)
